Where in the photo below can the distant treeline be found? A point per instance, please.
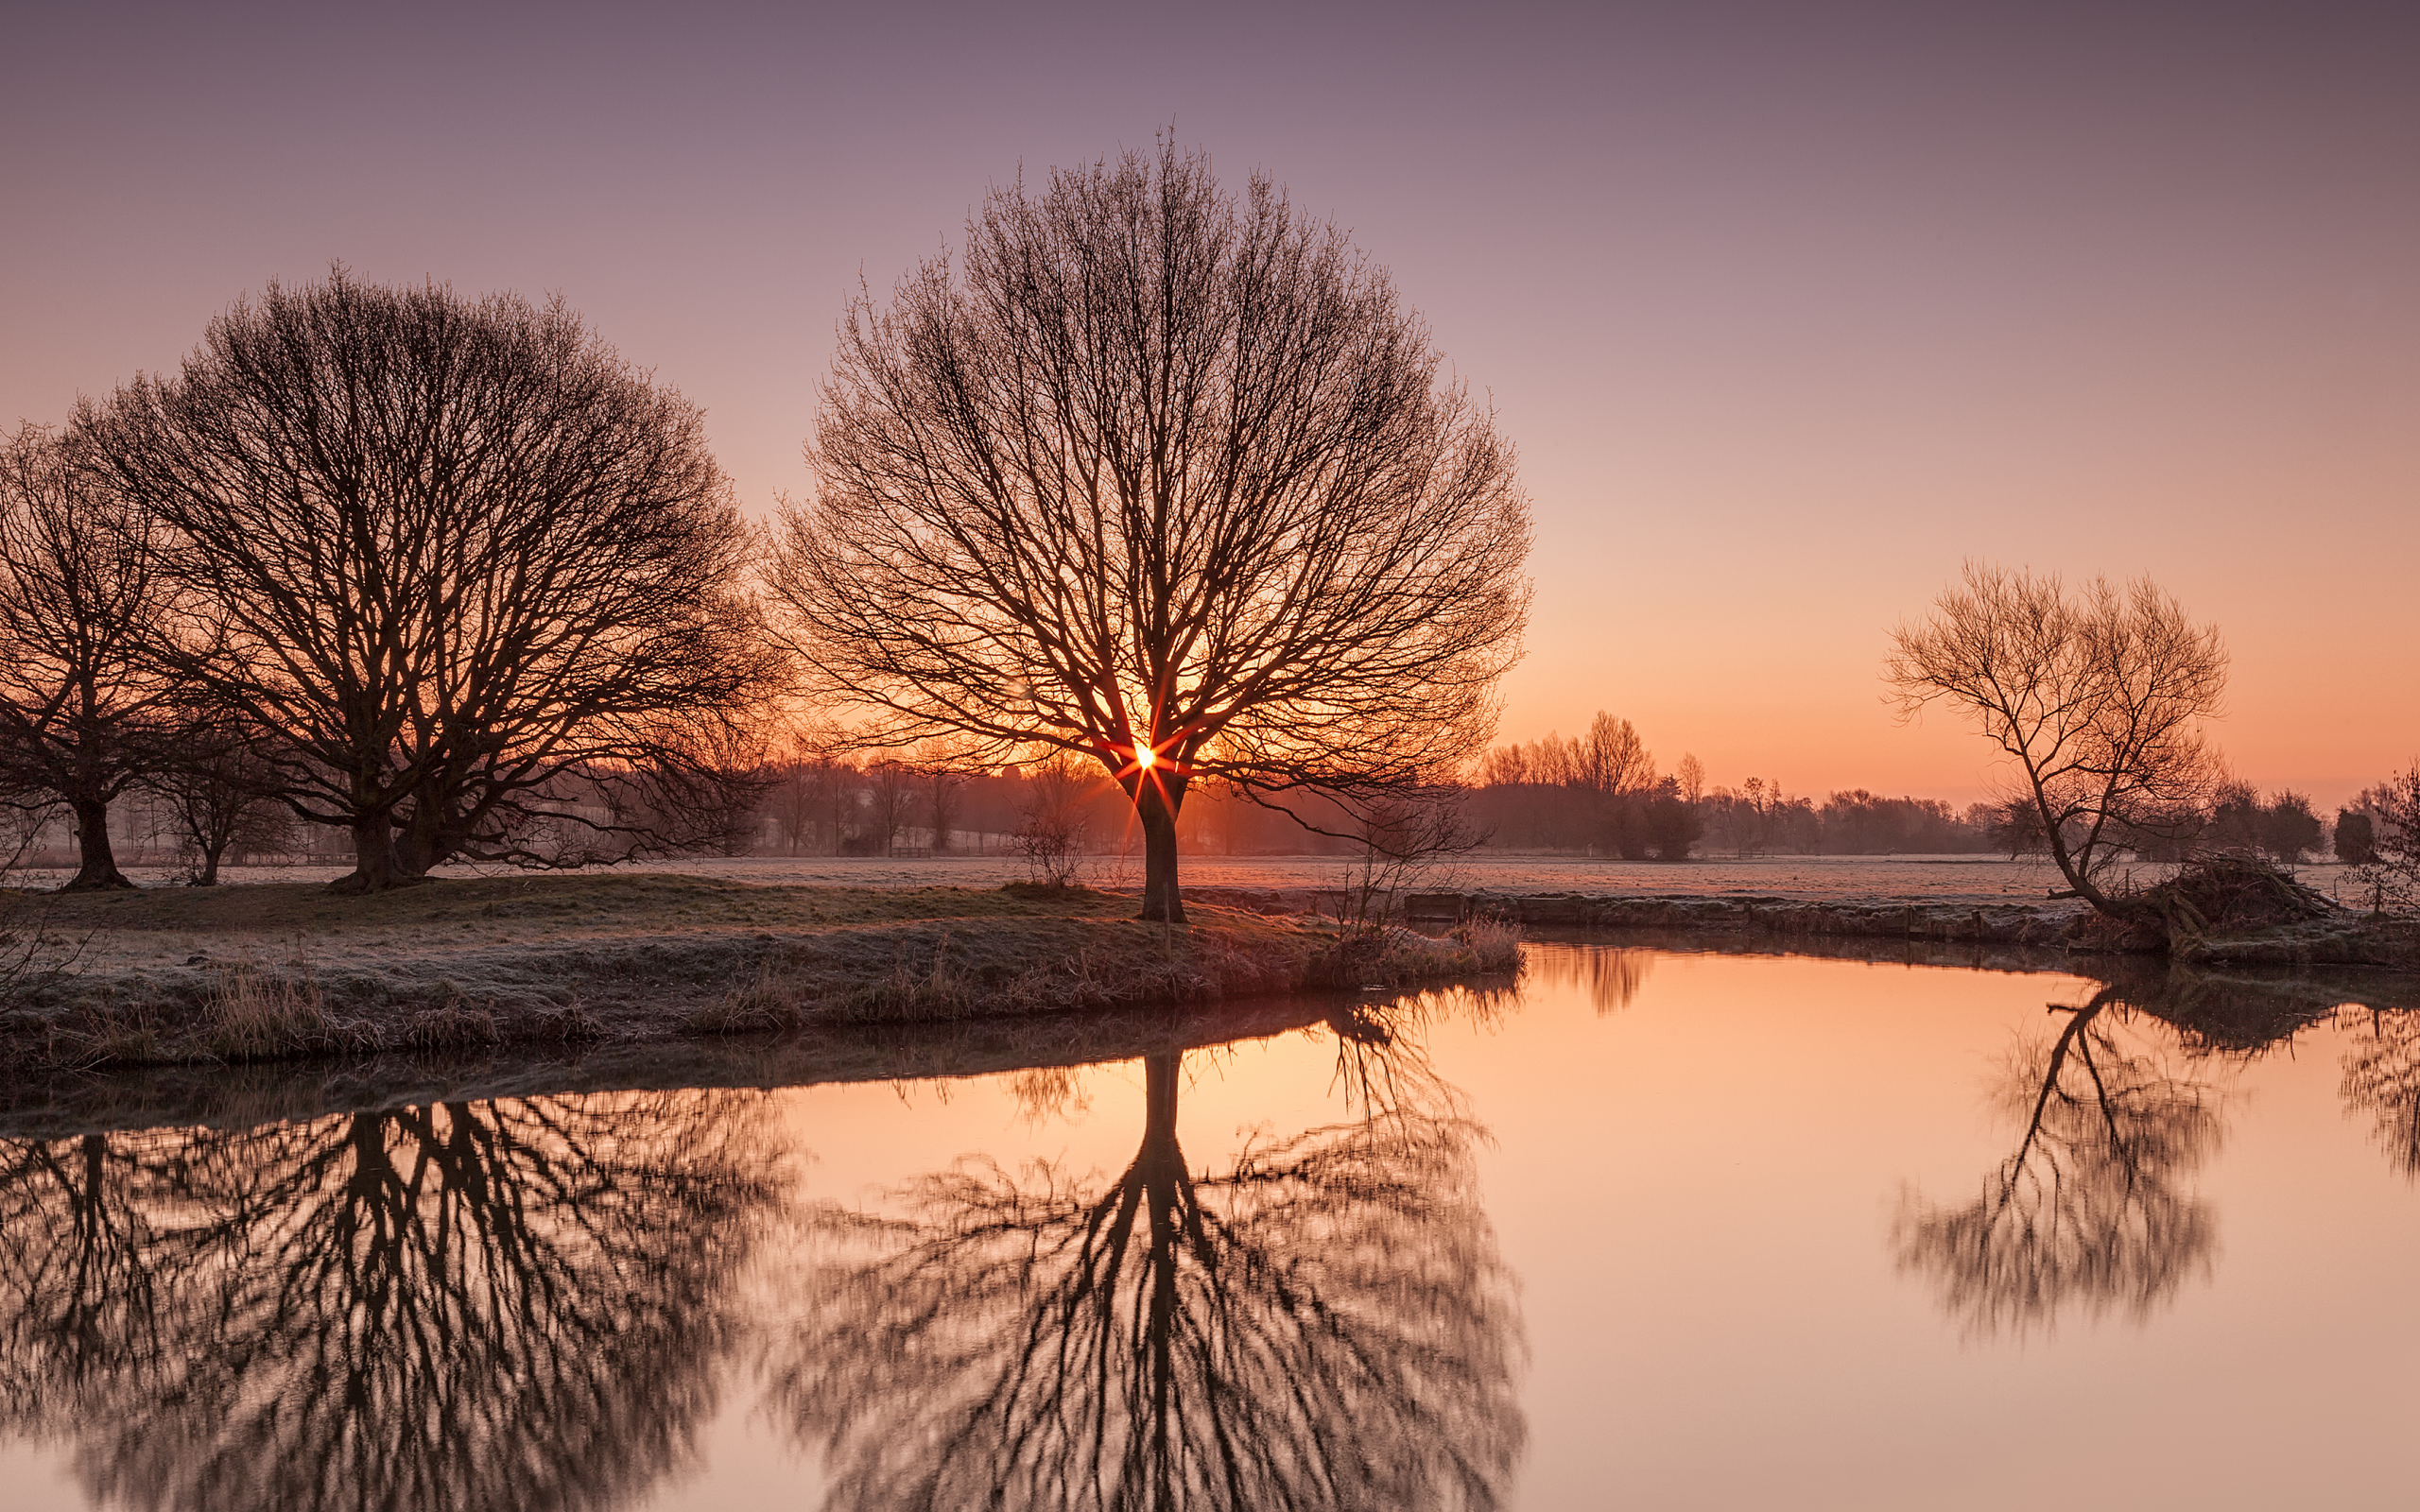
(1601, 793)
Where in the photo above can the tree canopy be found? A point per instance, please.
(472, 576)
(1164, 477)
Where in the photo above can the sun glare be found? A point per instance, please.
(1145, 758)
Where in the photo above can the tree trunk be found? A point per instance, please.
(1156, 805)
(98, 867)
(375, 867)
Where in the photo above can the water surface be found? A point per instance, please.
(1658, 1230)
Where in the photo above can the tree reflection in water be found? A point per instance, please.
(519, 1303)
(2089, 1213)
(1611, 975)
(2382, 1079)
(1326, 1323)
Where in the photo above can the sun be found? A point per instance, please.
(1144, 757)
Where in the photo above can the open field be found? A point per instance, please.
(1968, 881)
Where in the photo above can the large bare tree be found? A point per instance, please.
(84, 712)
(474, 575)
(2097, 696)
(1167, 478)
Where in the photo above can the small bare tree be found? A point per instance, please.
(2097, 698)
(470, 572)
(2392, 869)
(1051, 834)
(1166, 480)
(218, 792)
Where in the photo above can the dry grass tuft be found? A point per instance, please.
(572, 1023)
(106, 1034)
(254, 1015)
(771, 1002)
(455, 1026)
(1493, 939)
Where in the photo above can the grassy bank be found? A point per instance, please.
(241, 973)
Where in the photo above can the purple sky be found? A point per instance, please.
(1789, 308)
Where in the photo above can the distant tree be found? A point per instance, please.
(2235, 818)
(475, 577)
(890, 795)
(2288, 828)
(1690, 775)
(1613, 759)
(85, 712)
(1166, 479)
(1505, 766)
(1671, 823)
(2097, 696)
(2354, 836)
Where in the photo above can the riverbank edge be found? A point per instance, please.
(2342, 939)
(281, 971)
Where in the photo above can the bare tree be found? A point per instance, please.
(1690, 777)
(2392, 866)
(2097, 698)
(1167, 480)
(1612, 760)
(890, 794)
(476, 575)
(84, 713)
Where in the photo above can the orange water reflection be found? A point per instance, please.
(1668, 1230)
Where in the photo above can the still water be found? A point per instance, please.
(1658, 1230)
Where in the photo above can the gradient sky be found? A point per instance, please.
(1789, 308)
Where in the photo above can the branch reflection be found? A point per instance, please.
(1326, 1323)
(2382, 1079)
(1610, 975)
(2090, 1212)
(519, 1303)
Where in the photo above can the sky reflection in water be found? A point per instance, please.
(1669, 1230)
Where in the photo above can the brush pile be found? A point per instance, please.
(2214, 894)
(2234, 894)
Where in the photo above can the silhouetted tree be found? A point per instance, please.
(472, 571)
(2087, 1216)
(2354, 835)
(511, 1304)
(85, 714)
(1326, 1324)
(1166, 480)
(2288, 828)
(2097, 698)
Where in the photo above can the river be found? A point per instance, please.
(1659, 1230)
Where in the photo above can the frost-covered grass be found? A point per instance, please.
(178, 974)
